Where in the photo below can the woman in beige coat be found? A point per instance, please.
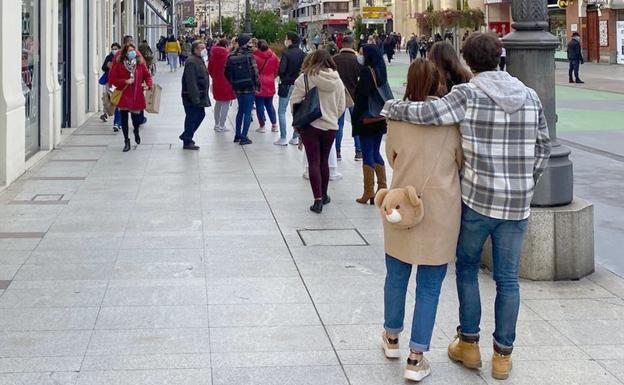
(429, 159)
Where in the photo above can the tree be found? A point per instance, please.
(268, 25)
(228, 26)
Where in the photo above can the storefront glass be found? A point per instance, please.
(557, 26)
(31, 73)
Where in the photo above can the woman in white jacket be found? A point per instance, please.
(318, 138)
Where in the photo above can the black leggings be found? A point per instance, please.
(136, 122)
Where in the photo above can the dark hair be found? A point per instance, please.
(423, 79)
(347, 40)
(263, 46)
(171, 38)
(124, 52)
(293, 37)
(196, 44)
(443, 55)
(116, 45)
(318, 61)
(575, 34)
(482, 51)
(223, 43)
(127, 39)
(374, 59)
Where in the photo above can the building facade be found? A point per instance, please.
(54, 85)
(321, 16)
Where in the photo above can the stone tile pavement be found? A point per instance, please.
(162, 266)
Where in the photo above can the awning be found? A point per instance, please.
(617, 4)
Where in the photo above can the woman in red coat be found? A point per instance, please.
(221, 89)
(268, 67)
(128, 74)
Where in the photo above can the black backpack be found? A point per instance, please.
(240, 69)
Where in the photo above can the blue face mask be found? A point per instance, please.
(131, 55)
(360, 59)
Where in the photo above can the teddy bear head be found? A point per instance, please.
(402, 208)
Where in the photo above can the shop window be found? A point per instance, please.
(31, 73)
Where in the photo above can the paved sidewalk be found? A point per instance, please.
(163, 266)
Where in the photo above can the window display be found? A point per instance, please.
(31, 73)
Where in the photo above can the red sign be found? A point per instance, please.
(503, 27)
(337, 22)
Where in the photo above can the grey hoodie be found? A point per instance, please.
(507, 92)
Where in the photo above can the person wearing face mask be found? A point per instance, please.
(129, 74)
(290, 66)
(106, 66)
(195, 93)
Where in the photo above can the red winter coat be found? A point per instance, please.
(221, 88)
(339, 40)
(268, 67)
(132, 98)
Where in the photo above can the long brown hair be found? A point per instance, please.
(446, 60)
(423, 80)
(124, 52)
(318, 61)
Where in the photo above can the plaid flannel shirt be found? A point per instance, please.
(504, 154)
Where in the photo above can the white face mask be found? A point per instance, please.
(287, 43)
(360, 59)
(114, 51)
(204, 53)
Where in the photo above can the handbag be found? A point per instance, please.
(377, 100)
(309, 109)
(152, 99)
(109, 108)
(115, 97)
(103, 79)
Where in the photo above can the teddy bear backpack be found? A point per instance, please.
(403, 208)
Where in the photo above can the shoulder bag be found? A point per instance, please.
(377, 100)
(309, 109)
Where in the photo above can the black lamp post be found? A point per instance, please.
(247, 26)
(531, 58)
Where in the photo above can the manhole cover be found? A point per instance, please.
(47, 197)
(331, 237)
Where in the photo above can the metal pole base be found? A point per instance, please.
(556, 187)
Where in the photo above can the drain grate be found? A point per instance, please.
(47, 197)
(332, 237)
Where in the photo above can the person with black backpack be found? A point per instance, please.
(242, 73)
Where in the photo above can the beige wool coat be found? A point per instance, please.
(412, 151)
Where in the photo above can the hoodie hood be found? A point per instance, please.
(218, 52)
(264, 55)
(326, 80)
(505, 91)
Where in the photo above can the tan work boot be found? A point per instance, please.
(380, 172)
(467, 353)
(501, 366)
(369, 186)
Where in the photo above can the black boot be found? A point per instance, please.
(137, 138)
(317, 207)
(326, 199)
(127, 145)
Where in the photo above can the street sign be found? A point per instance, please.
(189, 20)
(374, 12)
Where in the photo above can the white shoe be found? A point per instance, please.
(261, 129)
(417, 371)
(217, 129)
(281, 142)
(294, 141)
(390, 347)
(334, 175)
(274, 128)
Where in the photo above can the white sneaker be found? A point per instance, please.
(261, 129)
(417, 370)
(224, 129)
(294, 141)
(217, 129)
(281, 142)
(334, 175)
(274, 128)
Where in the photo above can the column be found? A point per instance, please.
(130, 19)
(12, 112)
(77, 75)
(50, 87)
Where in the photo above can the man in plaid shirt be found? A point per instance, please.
(506, 149)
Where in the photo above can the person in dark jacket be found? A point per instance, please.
(106, 66)
(195, 93)
(290, 66)
(412, 48)
(372, 75)
(242, 73)
(389, 47)
(349, 70)
(575, 57)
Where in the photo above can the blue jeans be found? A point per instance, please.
(281, 113)
(243, 117)
(192, 121)
(370, 149)
(339, 134)
(507, 237)
(263, 103)
(428, 284)
(117, 119)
